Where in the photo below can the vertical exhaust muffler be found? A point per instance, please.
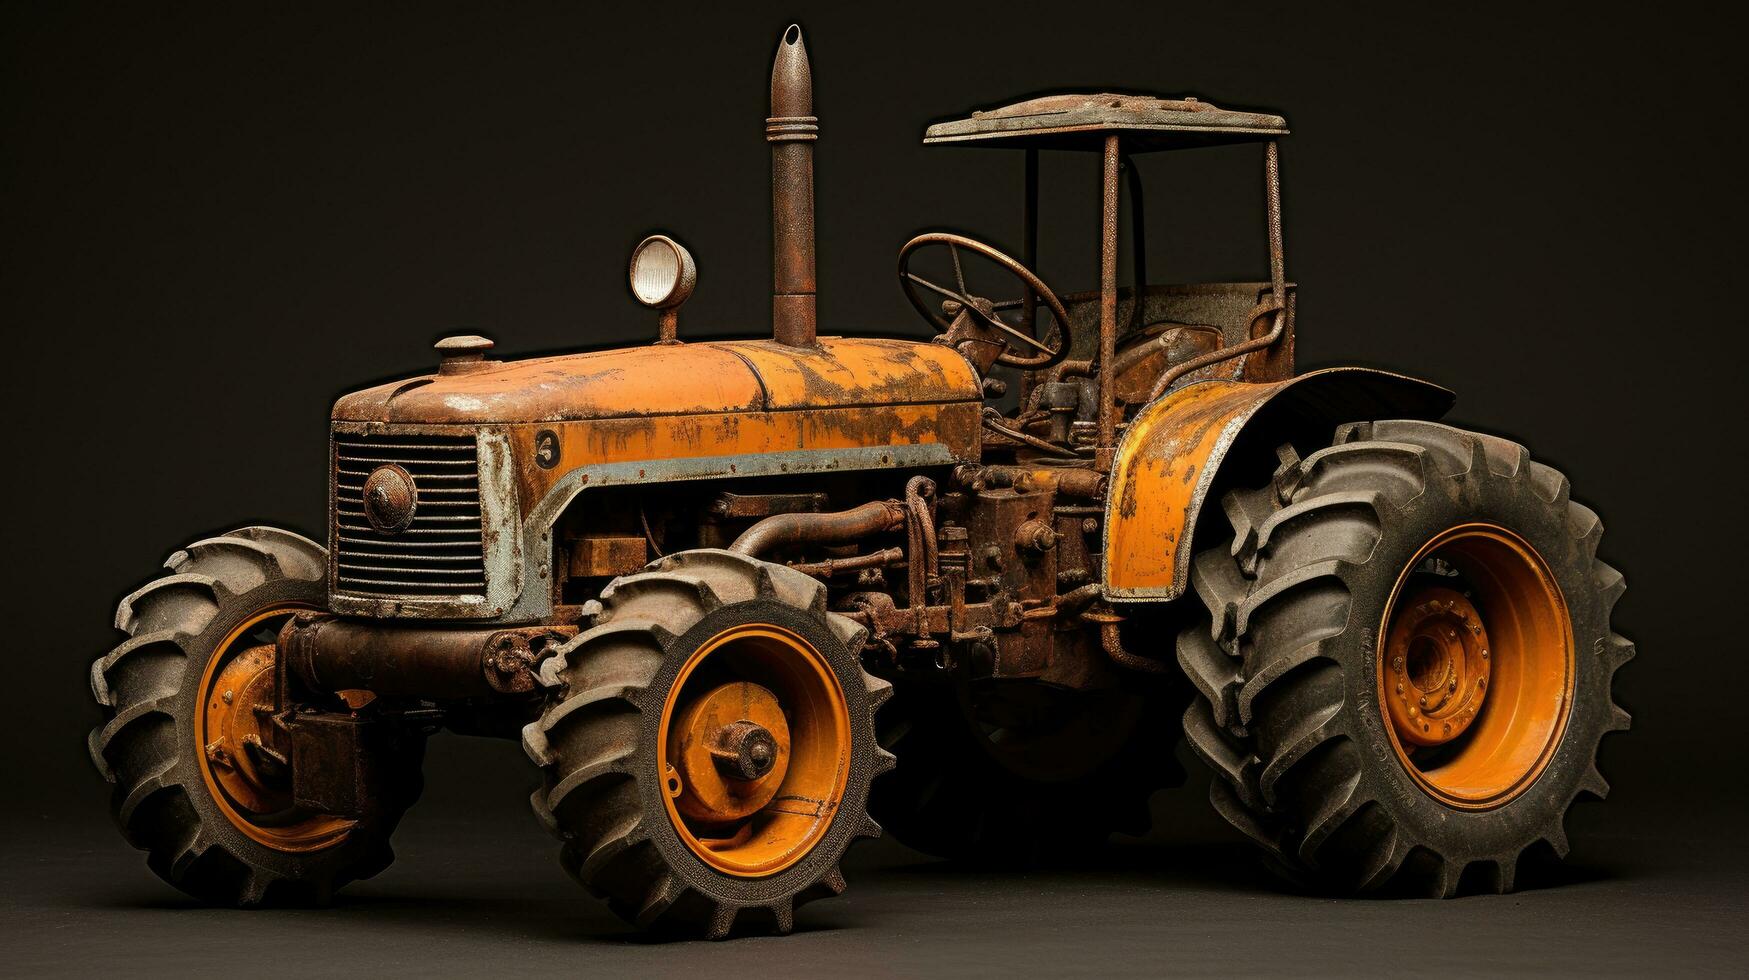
(791, 129)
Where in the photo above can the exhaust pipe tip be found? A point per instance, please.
(792, 79)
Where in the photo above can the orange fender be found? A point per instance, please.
(1172, 454)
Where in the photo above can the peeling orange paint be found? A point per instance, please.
(681, 379)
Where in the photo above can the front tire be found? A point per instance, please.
(1407, 667)
(678, 829)
(213, 821)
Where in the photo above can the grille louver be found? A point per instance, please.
(441, 553)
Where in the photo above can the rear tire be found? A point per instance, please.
(611, 792)
(1295, 667)
(150, 688)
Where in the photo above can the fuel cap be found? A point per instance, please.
(462, 353)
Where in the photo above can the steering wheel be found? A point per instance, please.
(960, 299)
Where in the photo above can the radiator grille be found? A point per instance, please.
(441, 552)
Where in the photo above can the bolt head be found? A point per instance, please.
(744, 751)
(761, 753)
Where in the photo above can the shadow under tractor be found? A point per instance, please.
(745, 602)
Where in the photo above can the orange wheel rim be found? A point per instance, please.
(754, 747)
(1476, 666)
(240, 753)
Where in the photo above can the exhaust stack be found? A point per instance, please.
(791, 130)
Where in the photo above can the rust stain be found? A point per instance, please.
(1167, 446)
(593, 442)
(713, 378)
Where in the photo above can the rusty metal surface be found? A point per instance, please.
(655, 450)
(739, 506)
(463, 354)
(596, 555)
(1079, 121)
(840, 566)
(1107, 306)
(499, 545)
(858, 372)
(334, 765)
(1111, 641)
(921, 569)
(1171, 452)
(786, 530)
(331, 653)
(791, 129)
(352, 763)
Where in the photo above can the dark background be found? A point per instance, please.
(216, 220)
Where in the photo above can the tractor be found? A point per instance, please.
(745, 602)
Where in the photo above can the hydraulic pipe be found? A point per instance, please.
(838, 566)
(839, 527)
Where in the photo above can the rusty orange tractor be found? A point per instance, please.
(719, 589)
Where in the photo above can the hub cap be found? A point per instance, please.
(755, 743)
(1476, 671)
(244, 758)
(1437, 676)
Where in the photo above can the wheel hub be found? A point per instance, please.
(1476, 686)
(242, 753)
(733, 752)
(744, 750)
(1437, 662)
(242, 750)
(755, 746)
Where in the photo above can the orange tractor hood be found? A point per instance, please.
(709, 378)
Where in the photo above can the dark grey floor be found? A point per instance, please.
(476, 890)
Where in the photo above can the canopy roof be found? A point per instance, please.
(1081, 121)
